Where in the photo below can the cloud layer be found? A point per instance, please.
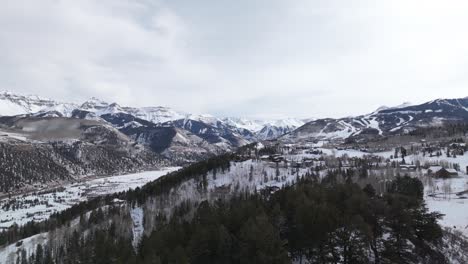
(251, 58)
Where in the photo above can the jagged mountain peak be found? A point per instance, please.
(94, 103)
(155, 114)
(9, 94)
(286, 122)
(112, 108)
(16, 104)
(253, 125)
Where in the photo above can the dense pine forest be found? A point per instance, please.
(309, 222)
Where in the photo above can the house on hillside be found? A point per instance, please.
(314, 152)
(308, 162)
(274, 158)
(296, 164)
(457, 149)
(440, 172)
(405, 167)
(452, 172)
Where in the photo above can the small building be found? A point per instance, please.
(313, 152)
(405, 167)
(297, 164)
(433, 169)
(308, 162)
(440, 172)
(452, 172)
(276, 158)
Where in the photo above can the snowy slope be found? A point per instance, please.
(8, 255)
(384, 121)
(13, 104)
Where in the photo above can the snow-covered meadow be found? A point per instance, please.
(441, 196)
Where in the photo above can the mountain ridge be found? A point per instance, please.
(383, 122)
(14, 104)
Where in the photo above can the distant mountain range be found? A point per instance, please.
(385, 121)
(163, 129)
(169, 132)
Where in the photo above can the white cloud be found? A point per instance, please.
(258, 58)
(102, 48)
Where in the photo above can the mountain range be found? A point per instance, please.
(162, 129)
(170, 132)
(384, 122)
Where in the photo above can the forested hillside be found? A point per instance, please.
(241, 208)
(312, 222)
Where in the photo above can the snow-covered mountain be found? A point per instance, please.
(384, 121)
(384, 107)
(14, 104)
(266, 129)
(276, 128)
(213, 131)
(155, 115)
(253, 125)
(173, 142)
(231, 131)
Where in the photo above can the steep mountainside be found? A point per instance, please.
(177, 144)
(40, 151)
(384, 122)
(217, 133)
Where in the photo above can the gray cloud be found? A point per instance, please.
(250, 58)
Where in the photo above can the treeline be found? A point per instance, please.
(317, 223)
(447, 130)
(197, 171)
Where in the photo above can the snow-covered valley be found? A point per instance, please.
(38, 207)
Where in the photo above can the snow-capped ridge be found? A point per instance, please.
(385, 121)
(235, 129)
(94, 104)
(384, 107)
(14, 104)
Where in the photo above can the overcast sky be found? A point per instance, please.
(253, 58)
